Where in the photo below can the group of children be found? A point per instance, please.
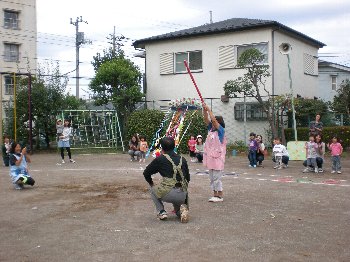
(256, 150)
(315, 150)
(138, 147)
(196, 148)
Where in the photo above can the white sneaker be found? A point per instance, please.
(212, 199)
(218, 199)
(333, 172)
(63, 161)
(72, 161)
(339, 172)
(162, 215)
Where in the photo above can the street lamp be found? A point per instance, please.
(286, 49)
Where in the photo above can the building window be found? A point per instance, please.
(310, 65)
(8, 85)
(262, 47)
(254, 112)
(334, 83)
(193, 58)
(226, 57)
(11, 52)
(166, 63)
(11, 19)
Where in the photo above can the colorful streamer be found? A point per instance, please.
(156, 137)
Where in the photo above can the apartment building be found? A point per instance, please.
(18, 48)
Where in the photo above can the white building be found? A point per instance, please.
(213, 50)
(18, 46)
(330, 76)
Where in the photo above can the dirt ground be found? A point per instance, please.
(99, 209)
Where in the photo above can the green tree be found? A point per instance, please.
(306, 110)
(253, 83)
(48, 98)
(117, 81)
(108, 55)
(341, 102)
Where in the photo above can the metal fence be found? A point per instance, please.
(244, 115)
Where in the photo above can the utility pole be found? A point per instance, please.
(79, 39)
(115, 42)
(211, 17)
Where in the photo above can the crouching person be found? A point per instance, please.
(175, 178)
(19, 167)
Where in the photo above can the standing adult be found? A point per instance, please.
(214, 152)
(134, 149)
(63, 142)
(175, 178)
(316, 126)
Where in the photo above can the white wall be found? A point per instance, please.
(305, 85)
(212, 80)
(325, 91)
(25, 36)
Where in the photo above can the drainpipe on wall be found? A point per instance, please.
(273, 72)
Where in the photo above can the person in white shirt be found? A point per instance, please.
(280, 154)
(63, 141)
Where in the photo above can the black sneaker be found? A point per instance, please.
(162, 215)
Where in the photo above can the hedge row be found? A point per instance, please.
(146, 122)
(342, 132)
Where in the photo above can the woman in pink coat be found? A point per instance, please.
(214, 152)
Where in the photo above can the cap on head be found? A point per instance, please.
(199, 136)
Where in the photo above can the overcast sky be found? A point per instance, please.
(324, 20)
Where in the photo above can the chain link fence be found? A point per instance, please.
(237, 127)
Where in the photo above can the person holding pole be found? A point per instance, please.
(214, 152)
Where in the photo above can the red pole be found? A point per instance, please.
(193, 81)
